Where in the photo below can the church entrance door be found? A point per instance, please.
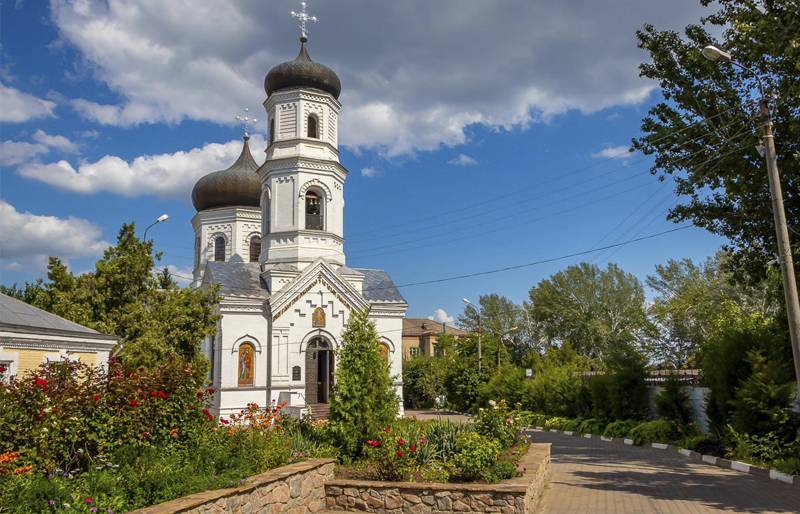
(319, 371)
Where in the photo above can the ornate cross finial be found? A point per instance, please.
(246, 121)
(303, 17)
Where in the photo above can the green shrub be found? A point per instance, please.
(393, 455)
(501, 470)
(364, 400)
(592, 426)
(476, 454)
(506, 385)
(657, 431)
(573, 425)
(442, 435)
(790, 466)
(627, 389)
(673, 402)
(621, 428)
(555, 423)
(462, 383)
(423, 381)
(761, 450)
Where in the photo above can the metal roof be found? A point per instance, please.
(18, 314)
(237, 278)
(378, 287)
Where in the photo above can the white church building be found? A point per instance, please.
(272, 236)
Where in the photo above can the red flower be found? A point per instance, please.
(134, 404)
(162, 394)
(386, 430)
(145, 434)
(199, 395)
(141, 369)
(413, 448)
(211, 390)
(153, 393)
(2, 369)
(400, 441)
(399, 453)
(97, 397)
(373, 443)
(224, 420)
(41, 381)
(205, 411)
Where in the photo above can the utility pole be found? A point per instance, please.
(499, 343)
(479, 343)
(784, 248)
(712, 53)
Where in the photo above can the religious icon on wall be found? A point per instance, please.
(384, 349)
(318, 318)
(246, 365)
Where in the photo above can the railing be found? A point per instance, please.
(314, 222)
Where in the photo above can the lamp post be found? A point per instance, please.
(713, 53)
(163, 217)
(479, 332)
(499, 343)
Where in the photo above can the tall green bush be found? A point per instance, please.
(673, 403)
(628, 394)
(423, 381)
(364, 400)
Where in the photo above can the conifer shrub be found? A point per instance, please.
(364, 401)
(673, 403)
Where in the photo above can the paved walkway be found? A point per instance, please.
(592, 476)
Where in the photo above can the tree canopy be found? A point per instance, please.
(594, 309)
(704, 132)
(124, 296)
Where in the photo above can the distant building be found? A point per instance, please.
(419, 336)
(30, 337)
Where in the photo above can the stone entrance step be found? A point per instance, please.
(319, 410)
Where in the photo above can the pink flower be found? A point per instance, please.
(386, 430)
(87, 500)
(400, 442)
(413, 448)
(422, 439)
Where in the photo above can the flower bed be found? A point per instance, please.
(518, 495)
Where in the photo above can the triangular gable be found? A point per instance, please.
(320, 272)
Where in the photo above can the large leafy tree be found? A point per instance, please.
(596, 310)
(124, 296)
(690, 298)
(704, 133)
(499, 316)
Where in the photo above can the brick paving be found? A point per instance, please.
(592, 476)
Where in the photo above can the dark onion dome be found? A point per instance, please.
(302, 72)
(237, 186)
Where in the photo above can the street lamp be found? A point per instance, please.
(784, 251)
(163, 217)
(500, 342)
(479, 332)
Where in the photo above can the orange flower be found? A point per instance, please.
(174, 431)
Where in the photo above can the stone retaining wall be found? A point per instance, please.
(293, 489)
(512, 496)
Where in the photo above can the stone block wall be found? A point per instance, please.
(293, 489)
(518, 495)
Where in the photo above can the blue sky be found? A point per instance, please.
(478, 135)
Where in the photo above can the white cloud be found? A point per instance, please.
(29, 238)
(441, 316)
(370, 172)
(90, 134)
(166, 175)
(462, 160)
(60, 142)
(414, 84)
(19, 106)
(183, 276)
(613, 152)
(14, 152)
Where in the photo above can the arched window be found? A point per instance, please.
(219, 249)
(255, 249)
(314, 219)
(313, 129)
(383, 348)
(246, 365)
(272, 131)
(196, 252)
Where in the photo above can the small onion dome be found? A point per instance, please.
(302, 72)
(237, 186)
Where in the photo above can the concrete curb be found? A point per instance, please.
(694, 457)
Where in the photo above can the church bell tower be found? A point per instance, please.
(302, 181)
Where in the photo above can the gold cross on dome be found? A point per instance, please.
(246, 122)
(303, 17)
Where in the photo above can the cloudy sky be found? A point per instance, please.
(478, 135)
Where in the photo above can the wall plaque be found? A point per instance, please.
(296, 373)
